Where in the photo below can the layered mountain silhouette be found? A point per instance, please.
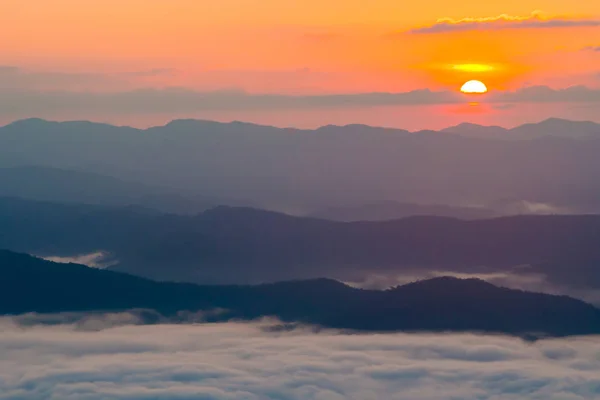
(244, 245)
(30, 285)
(301, 171)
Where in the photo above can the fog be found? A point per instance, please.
(249, 361)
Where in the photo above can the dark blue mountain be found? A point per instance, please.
(29, 284)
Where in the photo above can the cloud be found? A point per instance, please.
(26, 103)
(48, 94)
(247, 361)
(521, 277)
(516, 278)
(8, 70)
(89, 321)
(175, 100)
(15, 78)
(503, 107)
(592, 48)
(502, 22)
(545, 94)
(98, 259)
(536, 208)
(152, 72)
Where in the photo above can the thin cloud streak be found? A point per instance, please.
(503, 22)
(14, 78)
(149, 101)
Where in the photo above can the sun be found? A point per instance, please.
(474, 87)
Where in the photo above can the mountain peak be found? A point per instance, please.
(476, 130)
(28, 122)
(187, 123)
(227, 213)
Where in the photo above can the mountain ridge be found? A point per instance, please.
(195, 123)
(443, 304)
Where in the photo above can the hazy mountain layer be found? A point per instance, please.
(242, 245)
(302, 170)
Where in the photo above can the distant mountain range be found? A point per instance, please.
(243, 245)
(443, 304)
(552, 164)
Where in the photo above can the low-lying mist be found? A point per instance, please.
(115, 358)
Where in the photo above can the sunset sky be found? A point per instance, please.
(146, 61)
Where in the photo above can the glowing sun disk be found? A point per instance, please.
(474, 87)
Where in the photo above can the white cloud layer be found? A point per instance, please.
(243, 361)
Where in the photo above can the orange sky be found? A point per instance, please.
(362, 43)
(297, 47)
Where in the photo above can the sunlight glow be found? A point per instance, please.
(473, 67)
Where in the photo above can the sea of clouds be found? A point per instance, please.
(113, 357)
